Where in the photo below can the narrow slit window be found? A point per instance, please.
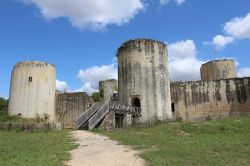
(30, 79)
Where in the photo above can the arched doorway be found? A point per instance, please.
(136, 102)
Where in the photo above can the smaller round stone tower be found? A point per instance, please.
(107, 89)
(32, 89)
(218, 69)
(143, 79)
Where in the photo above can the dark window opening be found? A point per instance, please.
(136, 102)
(30, 79)
(173, 108)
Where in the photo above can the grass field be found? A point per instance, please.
(35, 148)
(223, 142)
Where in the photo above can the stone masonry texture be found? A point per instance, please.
(143, 74)
(218, 69)
(70, 106)
(32, 89)
(203, 100)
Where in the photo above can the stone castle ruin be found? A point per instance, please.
(143, 78)
(142, 94)
(32, 90)
(219, 93)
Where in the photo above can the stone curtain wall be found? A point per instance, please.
(70, 106)
(203, 100)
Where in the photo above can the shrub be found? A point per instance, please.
(45, 117)
(38, 118)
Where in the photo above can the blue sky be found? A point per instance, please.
(81, 38)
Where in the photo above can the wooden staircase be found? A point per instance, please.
(93, 116)
(83, 119)
(98, 116)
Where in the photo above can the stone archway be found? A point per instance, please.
(136, 102)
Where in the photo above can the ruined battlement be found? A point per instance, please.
(109, 80)
(74, 94)
(141, 44)
(219, 60)
(33, 64)
(108, 88)
(218, 69)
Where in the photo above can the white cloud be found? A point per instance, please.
(179, 2)
(61, 86)
(183, 62)
(94, 14)
(238, 27)
(182, 50)
(221, 42)
(235, 29)
(244, 72)
(91, 76)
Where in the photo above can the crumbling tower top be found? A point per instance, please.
(218, 69)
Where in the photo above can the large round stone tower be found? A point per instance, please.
(32, 89)
(218, 69)
(143, 79)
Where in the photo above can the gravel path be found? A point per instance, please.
(97, 150)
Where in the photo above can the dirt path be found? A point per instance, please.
(97, 150)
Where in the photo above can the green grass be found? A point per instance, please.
(35, 148)
(222, 142)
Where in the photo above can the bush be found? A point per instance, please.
(38, 118)
(45, 117)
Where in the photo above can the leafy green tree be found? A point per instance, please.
(3, 104)
(3, 110)
(96, 97)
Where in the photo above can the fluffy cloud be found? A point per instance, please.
(244, 72)
(183, 62)
(235, 29)
(61, 86)
(91, 76)
(221, 42)
(239, 27)
(182, 50)
(179, 2)
(95, 14)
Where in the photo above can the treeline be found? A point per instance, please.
(3, 110)
(3, 104)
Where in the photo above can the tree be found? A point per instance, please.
(96, 97)
(3, 103)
